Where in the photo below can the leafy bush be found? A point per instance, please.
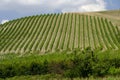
(77, 64)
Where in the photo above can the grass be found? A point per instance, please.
(27, 57)
(58, 77)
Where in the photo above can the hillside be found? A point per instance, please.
(56, 32)
(112, 15)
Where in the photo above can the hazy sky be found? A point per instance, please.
(12, 9)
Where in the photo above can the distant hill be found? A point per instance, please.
(57, 32)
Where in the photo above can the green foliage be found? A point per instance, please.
(84, 63)
(87, 64)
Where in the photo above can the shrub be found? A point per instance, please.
(77, 64)
(87, 64)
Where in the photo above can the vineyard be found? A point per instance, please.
(57, 32)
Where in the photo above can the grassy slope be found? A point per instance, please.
(113, 15)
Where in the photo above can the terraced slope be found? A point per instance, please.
(58, 32)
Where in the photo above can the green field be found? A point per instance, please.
(57, 77)
(58, 32)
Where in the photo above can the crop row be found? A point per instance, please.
(53, 32)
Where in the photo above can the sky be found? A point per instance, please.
(13, 9)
